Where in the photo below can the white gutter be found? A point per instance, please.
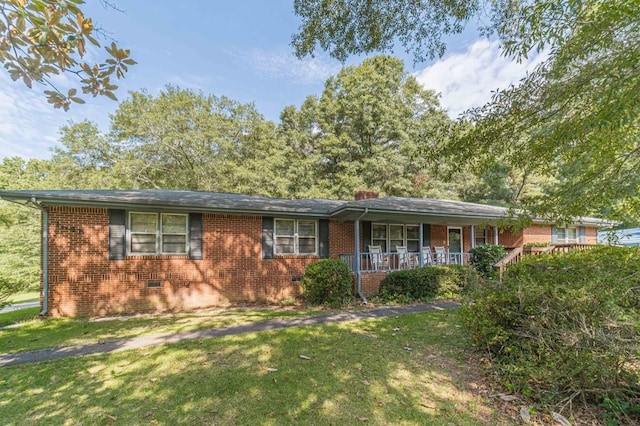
(357, 256)
(45, 256)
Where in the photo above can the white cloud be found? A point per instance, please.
(466, 80)
(29, 125)
(285, 65)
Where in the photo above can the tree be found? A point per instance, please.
(19, 227)
(351, 27)
(574, 119)
(183, 139)
(43, 38)
(86, 159)
(366, 131)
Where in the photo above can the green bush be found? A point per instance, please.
(328, 282)
(427, 283)
(565, 326)
(484, 257)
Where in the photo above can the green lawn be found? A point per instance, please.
(405, 370)
(29, 296)
(46, 333)
(20, 316)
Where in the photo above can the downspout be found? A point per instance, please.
(45, 256)
(357, 254)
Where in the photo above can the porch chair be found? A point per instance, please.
(441, 255)
(427, 256)
(404, 261)
(377, 258)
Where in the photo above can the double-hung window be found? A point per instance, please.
(388, 236)
(480, 236)
(157, 233)
(296, 236)
(566, 235)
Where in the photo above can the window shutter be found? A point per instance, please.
(426, 235)
(323, 237)
(554, 235)
(267, 237)
(366, 235)
(582, 235)
(117, 234)
(195, 236)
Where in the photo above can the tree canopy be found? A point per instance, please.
(574, 119)
(43, 38)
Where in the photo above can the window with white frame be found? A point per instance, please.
(480, 236)
(566, 235)
(388, 236)
(296, 236)
(157, 233)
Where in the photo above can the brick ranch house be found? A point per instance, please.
(113, 252)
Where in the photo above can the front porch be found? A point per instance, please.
(393, 261)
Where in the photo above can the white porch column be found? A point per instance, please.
(495, 235)
(472, 236)
(421, 243)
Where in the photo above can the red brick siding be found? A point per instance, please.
(537, 234)
(370, 283)
(82, 280)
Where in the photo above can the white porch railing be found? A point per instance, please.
(390, 261)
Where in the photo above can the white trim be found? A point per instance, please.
(295, 236)
(158, 234)
(566, 239)
(387, 238)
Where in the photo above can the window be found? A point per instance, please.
(566, 235)
(480, 236)
(296, 236)
(379, 236)
(157, 233)
(392, 235)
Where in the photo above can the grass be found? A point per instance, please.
(46, 333)
(405, 370)
(18, 316)
(28, 296)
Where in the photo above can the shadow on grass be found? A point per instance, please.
(51, 333)
(399, 370)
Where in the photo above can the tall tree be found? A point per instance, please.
(19, 227)
(187, 140)
(86, 159)
(577, 113)
(367, 129)
(42, 38)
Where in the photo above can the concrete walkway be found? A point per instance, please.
(17, 306)
(166, 338)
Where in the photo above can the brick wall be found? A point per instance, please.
(84, 282)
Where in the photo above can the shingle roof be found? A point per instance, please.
(428, 206)
(252, 204)
(214, 201)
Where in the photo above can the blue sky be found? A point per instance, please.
(239, 49)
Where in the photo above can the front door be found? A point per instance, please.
(455, 245)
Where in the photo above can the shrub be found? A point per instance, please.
(426, 283)
(564, 326)
(484, 257)
(328, 282)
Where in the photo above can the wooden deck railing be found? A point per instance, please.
(512, 257)
(515, 255)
